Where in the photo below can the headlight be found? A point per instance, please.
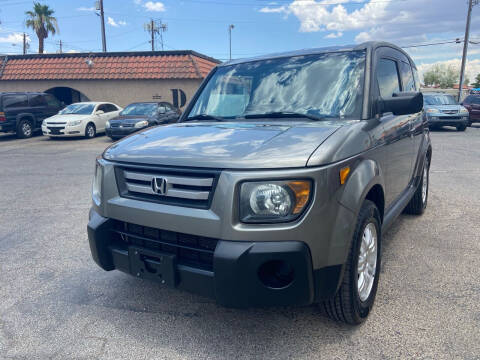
(141, 124)
(97, 184)
(107, 124)
(44, 123)
(464, 110)
(432, 111)
(273, 201)
(75, 123)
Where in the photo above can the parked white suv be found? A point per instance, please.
(80, 119)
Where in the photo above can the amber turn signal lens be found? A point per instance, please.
(344, 174)
(301, 189)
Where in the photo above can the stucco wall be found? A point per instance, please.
(121, 92)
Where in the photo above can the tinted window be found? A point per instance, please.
(52, 101)
(407, 77)
(14, 101)
(140, 109)
(322, 85)
(108, 108)
(37, 100)
(472, 100)
(417, 79)
(387, 77)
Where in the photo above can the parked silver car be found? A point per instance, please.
(444, 110)
(277, 183)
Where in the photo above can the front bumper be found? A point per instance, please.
(63, 131)
(119, 132)
(445, 120)
(237, 277)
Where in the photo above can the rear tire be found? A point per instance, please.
(356, 295)
(418, 203)
(461, 127)
(24, 129)
(90, 131)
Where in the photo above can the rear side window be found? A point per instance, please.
(37, 100)
(417, 79)
(387, 77)
(52, 100)
(109, 108)
(407, 77)
(472, 100)
(14, 101)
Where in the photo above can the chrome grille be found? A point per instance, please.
(177, 187)
(450, 111)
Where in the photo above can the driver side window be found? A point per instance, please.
(387, 78)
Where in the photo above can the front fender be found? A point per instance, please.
(364, 177)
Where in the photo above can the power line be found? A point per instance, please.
(430, 44)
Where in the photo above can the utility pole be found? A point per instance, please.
(155, 28)
(60, 46)
(471, 4)
(152, 26)
(99, 6)
(230, 28)
(24, 43)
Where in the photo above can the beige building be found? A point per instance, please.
(121, 77)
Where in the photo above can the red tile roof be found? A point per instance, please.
(125, 66)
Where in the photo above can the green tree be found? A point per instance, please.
(476, 84)
(443, 76)
(42, 22)
(431, 77)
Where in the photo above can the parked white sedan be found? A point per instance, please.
(80, 119)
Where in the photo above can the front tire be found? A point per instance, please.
(461, 127)
(24, 129)
(90, 131)
(356, 295)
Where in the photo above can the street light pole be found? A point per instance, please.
(230, 27)
(471, 3)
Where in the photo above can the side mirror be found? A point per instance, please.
(402, 103)
(99, 112)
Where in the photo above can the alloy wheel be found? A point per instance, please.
(367, 261)
(26, 129)
(425, 184)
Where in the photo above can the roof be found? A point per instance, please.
(369, 45)
(178, 64)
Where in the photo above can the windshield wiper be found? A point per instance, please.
(284, 114)
(204, 117)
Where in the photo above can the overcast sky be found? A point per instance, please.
(261, 26)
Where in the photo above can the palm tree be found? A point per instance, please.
(42, 22)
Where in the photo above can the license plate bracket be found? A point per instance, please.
(153, 265)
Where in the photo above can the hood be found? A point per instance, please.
(129, 118)
(225, 145)
(442, 108)
(66, 118)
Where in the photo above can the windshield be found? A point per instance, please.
(320, 85)
(140, 109)
(79, 109)
(439, 100)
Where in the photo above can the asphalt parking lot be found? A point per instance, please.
(56, 303)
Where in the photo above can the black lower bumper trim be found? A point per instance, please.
(235, 280)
